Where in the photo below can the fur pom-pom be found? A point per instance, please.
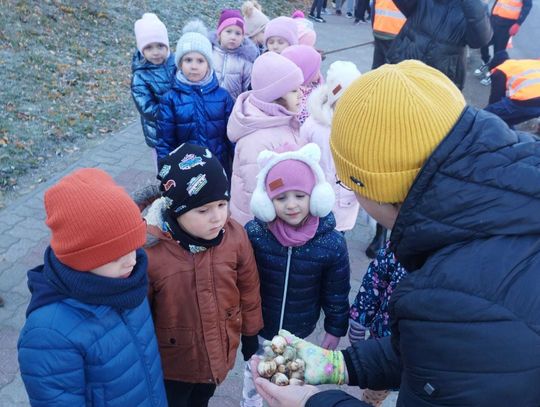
(196, 26)
(248, 6)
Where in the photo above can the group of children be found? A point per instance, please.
(245, 236)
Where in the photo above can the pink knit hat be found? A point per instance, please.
(306, 58)
(289, 175)
(306, 32)
(284, 27)
(230, 17)
(150, 29)
(273, 76)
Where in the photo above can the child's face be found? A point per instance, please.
(194, 66)
(205, 222)
(155, 53)
(292, 207)
(231, 37)
(276, 44)
(258, 38)
(384, 213)
(119, 268)
(290, 101)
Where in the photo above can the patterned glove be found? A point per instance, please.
(322, 366)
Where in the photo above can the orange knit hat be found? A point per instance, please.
(93, 220)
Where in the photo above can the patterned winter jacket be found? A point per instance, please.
(465, 321)
(233, 68)
(148, 83)
(197, 115)
(78, 354)
(318, 277)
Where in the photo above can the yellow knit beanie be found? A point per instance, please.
(386, 125)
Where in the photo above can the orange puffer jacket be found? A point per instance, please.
(201, 303)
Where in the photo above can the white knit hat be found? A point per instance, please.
(194, 39)
(339, 76)
(322, 196)
(149, 29)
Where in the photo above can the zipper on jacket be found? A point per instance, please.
(285, 287)
(141, 357)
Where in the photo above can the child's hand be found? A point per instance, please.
(330, 341)
(322, 366)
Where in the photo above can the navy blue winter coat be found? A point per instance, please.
(437, 32)
(318, 278)
(466, 320)
(148, 83)
(78, 354)
(197, 115)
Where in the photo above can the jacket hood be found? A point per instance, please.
(246, 118)
(154, 220)
(318, 107)
(42, 292)
(247, 50)
(482, 181)
(138, 63)
(326, 224)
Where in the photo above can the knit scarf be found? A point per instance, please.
(191, 243)
(203, 82)
(294, 236)
(120, 293)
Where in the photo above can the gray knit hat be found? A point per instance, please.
(194, 39)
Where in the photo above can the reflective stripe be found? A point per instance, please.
(510, 9)
(526, 83)
(390, 13)
(520, 75)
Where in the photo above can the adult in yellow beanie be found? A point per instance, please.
(461, 192)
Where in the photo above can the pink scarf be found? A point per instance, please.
(294, 236)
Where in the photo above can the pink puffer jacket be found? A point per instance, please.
(316, 129)
(255, 126)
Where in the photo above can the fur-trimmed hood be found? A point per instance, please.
(318, 106)
(247, 50)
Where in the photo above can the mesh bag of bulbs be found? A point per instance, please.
(280, 364)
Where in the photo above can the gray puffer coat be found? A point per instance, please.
(233, 68)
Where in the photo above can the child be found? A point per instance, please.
(316, 129)
(255, 23)
(233, 53)
(370, 307)
(302, 260)
(153, 71)
(262, 119)
(89, 338)
(196, 109)
(306, 31)
(206, 257)
(309, 61)
(280, 33)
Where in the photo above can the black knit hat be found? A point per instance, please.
(191, 176)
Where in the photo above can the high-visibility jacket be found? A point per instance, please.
(510, 9)
(522, 78)
(388, 19)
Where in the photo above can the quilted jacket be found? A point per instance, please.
(318, 278)
(148, 83)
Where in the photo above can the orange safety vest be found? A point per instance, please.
(388, 18)
(510, 9)
(522, 78)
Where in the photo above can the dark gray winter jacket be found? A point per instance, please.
(466, 320)
(437, 31)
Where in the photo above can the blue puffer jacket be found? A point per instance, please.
(148, 83)
(318, 278)
(77, 354)
(466, 320)
(197, 115)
